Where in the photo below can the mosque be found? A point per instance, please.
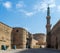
(53, 34)
(21, 38)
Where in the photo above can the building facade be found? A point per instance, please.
(5, 35)
(19, 36)
(53, 34)
(10, 37)
(41, 38)
(48, 28)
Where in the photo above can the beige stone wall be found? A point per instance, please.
(55, 36)
(56, 42)
(19, 36)
(5, 35)
(15, 36)
(41, 38)
(33, 43)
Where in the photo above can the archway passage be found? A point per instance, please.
(28, 43)
(56, 43)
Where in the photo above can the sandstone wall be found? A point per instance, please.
(5, 35)
(19, 36)
(55, 38)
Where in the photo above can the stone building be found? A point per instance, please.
(48, 28)
(29, 40)
(34, 43)
(53, 34)
(41, 38)
(16, 36)
(19, 36)
(5, 35)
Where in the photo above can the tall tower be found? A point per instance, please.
(48, 28)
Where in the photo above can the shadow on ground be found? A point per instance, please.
(45, 50)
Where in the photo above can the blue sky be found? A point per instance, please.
(29, 14)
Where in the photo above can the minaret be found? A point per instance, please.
(48, 28)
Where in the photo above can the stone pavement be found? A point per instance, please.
(11, 51)
(40, 50)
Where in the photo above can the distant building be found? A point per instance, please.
(34, 43)
(41, 38)
(53, 34)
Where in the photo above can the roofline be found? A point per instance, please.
(39, 33)
(55, 24)
(5, 24)
(20, 28)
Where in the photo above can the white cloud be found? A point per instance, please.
(27, 13)
(58, 8)
(52, 5)
(43, 5)
(37, 7)
(20, 4)
(49, 1)
(7, 5)
(40, 6)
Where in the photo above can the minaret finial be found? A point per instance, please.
(48, 11)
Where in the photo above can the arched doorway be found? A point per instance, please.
(56, 43)
(28, 43)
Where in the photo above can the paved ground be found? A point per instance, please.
(11, 51)
(45, 50)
